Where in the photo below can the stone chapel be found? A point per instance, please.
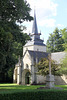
(33, 51)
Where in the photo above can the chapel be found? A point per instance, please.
(25, 71)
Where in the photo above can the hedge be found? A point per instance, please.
(35, 95)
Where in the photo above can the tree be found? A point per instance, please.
(43, 67)
(63, 69)
(12, 11)
(55, 42)
(15, 10)
(64, 36)
(50, 43)
(11, 46)
(64, 61)
(12, 37)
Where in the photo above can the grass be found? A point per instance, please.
(8, 88)
(11, 88)
(20, 92)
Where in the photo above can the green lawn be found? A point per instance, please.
(20, 92)
(8, 88)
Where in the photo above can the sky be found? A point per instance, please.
(49, 14)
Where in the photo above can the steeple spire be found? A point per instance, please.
(35, 36)
(34, 28)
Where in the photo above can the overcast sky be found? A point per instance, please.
(49, 14)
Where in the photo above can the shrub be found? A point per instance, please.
(35, 95)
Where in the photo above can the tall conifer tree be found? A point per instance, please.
(55, 42)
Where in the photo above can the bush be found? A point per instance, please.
(35, 95)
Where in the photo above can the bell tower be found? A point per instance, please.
(35, 44)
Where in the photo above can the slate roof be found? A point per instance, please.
(58, 56)
(35, 43)
(34, 28)
(37, 54)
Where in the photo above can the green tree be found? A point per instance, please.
(12, 37)
(50, 43)
(64, 61)
(15, 10)
(43, 67)
(11, 46)
(64, 36)
(63, 69)
(55, 42)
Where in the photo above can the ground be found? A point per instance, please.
(20, 92)
(6, 88)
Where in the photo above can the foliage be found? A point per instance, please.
(12, 10)
(43, 67)
(36, 95)
(12, 37)
(55, 42)
(63, 69)
(64, 34)
(64, 61)
(11, 46)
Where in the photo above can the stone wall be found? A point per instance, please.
(59, 80)
(34, 48)
(27, 61)
(40, 79)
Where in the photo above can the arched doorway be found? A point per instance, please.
(26, 77)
